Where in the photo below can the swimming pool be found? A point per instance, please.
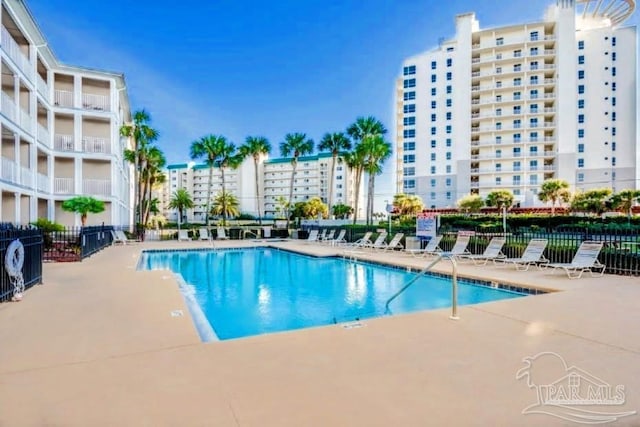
(263, 290)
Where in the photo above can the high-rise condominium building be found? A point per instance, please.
(60, 130)
(509, 107)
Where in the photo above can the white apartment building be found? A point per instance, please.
(194, 178)
(60, 130)
(509, 107)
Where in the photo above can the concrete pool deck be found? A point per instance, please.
(96, 344)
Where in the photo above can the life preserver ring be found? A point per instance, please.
(14, 259)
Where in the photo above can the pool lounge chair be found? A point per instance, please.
(533, 254)
(431, 248)
(120, 237)
(394, 243)
(585, 259)
(379, 242)
(364, 241)
(183, 236)
(313, 236)
(204, 234)
(492, 252)
(338, 240)
(322, 235)
(221, 233)
(328, 237)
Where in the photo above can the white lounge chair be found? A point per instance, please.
(328, 237)
(431, 248)
(322, 235)
(394, 243)
(533, 254)
(492, 252)
(313, 236)
(380, 241)
(221, 233)
(339, 240)
(204, 234)
(120, 237)
(183, 236)
(362, 242)
(585, 259)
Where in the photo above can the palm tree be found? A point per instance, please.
(214, 148)
(593, 201)
(335, 143)
(376, 151)
(625, 200)
(407, 204)
(225, 204)
(554, 190)
(256, 147)
(362, 129)
(295, 145)
(83, 205)
(502, 199)
(142, 134)
(470, 203)
(355, 162)
(180, 200)
(151, 175)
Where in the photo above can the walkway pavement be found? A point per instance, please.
(97, 345)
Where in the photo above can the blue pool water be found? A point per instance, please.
(258, 291)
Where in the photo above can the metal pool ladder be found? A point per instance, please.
(454, 284)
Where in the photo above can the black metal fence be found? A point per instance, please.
(32, 267)
(76, 243)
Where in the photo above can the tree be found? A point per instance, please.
(369, 130)
(225, 204)
(470, 203)
(342, 211)
(282, 206)
(216, 150)
(151, 175)
(624, 200)
(256, 147)
(500, 199)
(355, 162)
(295, 145)
(407, 204)
(335, 143)
(83, 205)
(142, 135)
(180, 200)
(593, 201)
(554, 190)
(314, 207)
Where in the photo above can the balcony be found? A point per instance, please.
(63, 98)
(8, 107)
(93, 144)
(95, 102)
(63, 186)
(9, 170)
(43, 134)
(11, 47)
(43, 183)
(63, 142)
(25, 121)
(98, 187)
(26, 177)
(42, 86)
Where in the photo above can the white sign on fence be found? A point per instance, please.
(426, 225)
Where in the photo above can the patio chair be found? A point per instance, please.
(431, 248)
(533, 254)
(328, 237)
(221, 234)
(204, 234)
(379, 242)
(183, 236)
(322, 235)
(362, 242)
(394, 243)
(338, 240)
(120, 237)
(492, 252)
(585, 259)
(313, 236)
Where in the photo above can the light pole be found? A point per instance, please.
(389, 210)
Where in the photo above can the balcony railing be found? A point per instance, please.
(9, 170)
(93, 144)
(63, 98)
(63, 142)
(99, 187)
(25, 121)
(42, 86)
(95, 102)
(63, 185)
(12, 48)
(26, 177)
(43, 135)
(8, 106)
(43, 182)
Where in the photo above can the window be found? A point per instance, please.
(433, 157)
(448, 182)
(498, 111)
(433, 143)
(407, 71)
(433, 170)
(533, 108)
(533, 150)
(613, 161)
(613, 86)
(409, 96)
(581, 44)
(613, 131)
(613, 101)
(409, 146)
(517, 81)
(533, 122)
(448, 128)
(517, 137)
(498, 70)
(433, 91)
(409, 158)
(613, 71)
(516, 96)
(533, 165)
(450, 49)
(533, 94)
(533, 65)
(498, 98)
(409, 108)
(448, 142)
(498, 180)
(580, 148)
(409, 121)
(581, 89)
(517, 109)
(409, 133)
(516, 192)
(533, 80)
(516, 180)
(433, 117)
(581, 59)
(499, 41)
(498, 154)
(533, 136)
(498, 139)
(449, 62)
(580, 133)
(517, 124)
(449, 89)
(433, 65)
(409, 184)
(448, 195)
(448, 115)
(580, 177)
(533, 179)
(580, 163)
(533, 51)
(498, 84)
(613, 41)
(498, 125)
(613, 146)
(433, 130)
(448, 155)
(516, 152)
(580, 118)
(533, 36)
(410, 171)
(433, 104)
(517, 53)
(449, 103)
(580, 103)
(517, 67)
(433, 78)
(448, 169)
(613, 56)
(581, 74)
(433, 195)
(498, 167)
(449, 75)
(433, 182)
(409, 83)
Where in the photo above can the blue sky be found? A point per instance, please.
(242, 68)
